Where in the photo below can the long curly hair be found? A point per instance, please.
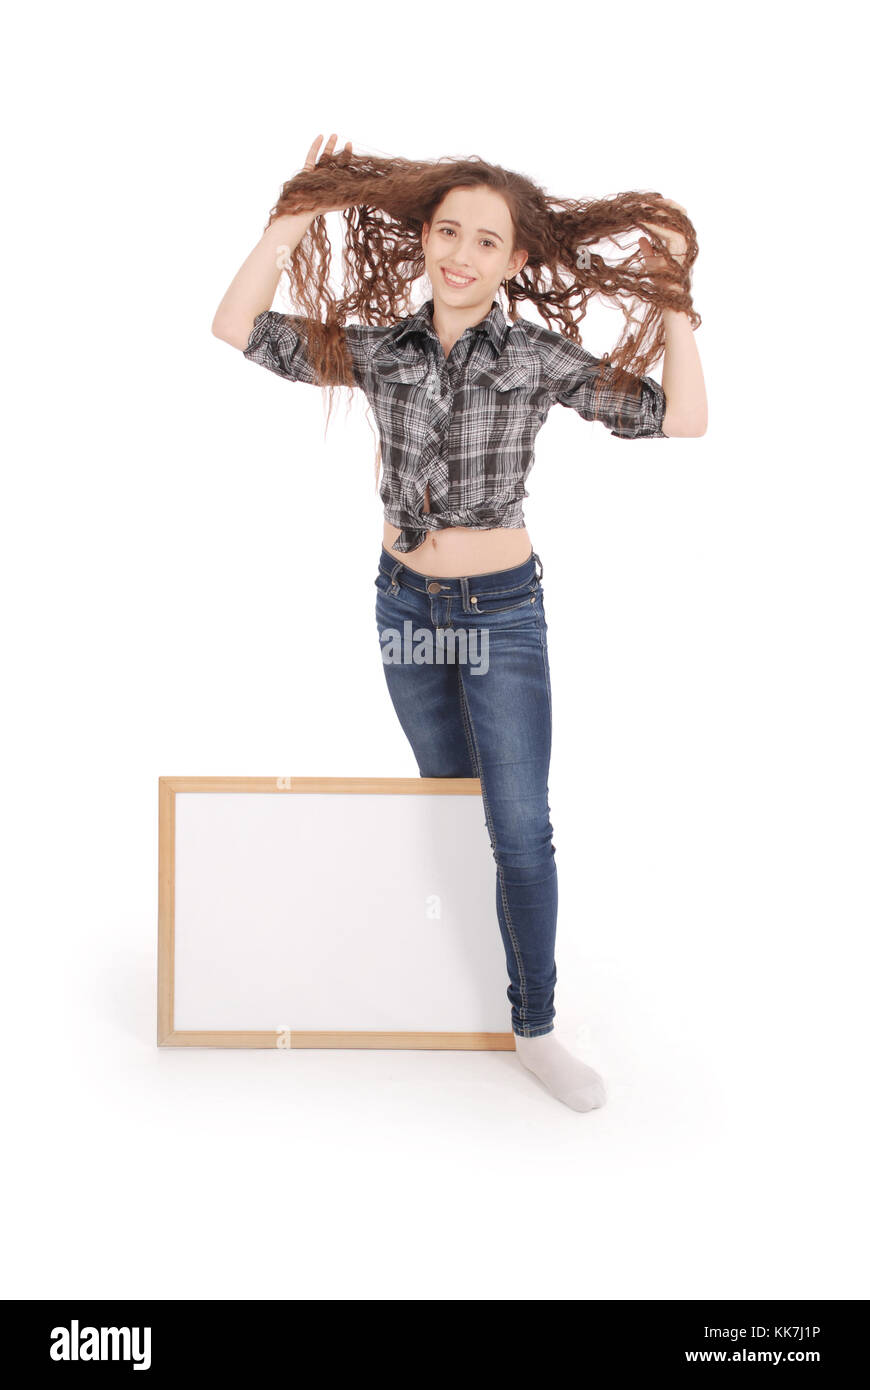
(387, 202)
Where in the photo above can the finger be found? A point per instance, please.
(312, 153)
(328, 148)
(671, 204)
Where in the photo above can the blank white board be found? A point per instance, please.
(329, 912)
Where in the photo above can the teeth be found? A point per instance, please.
(452, 279)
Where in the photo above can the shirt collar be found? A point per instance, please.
(495, 325)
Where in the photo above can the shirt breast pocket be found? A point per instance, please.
(518, 389)
(413, 371)
(401, 395)
(506, 411)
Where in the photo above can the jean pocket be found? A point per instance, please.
(523, 596)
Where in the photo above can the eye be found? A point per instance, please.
(451, 232)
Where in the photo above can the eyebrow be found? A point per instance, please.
(454, 223)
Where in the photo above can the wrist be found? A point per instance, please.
(289, 224)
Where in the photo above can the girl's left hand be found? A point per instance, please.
(675, 242)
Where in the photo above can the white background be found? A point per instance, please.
(170, 608)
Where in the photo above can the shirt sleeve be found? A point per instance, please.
(278, 342)
(634, 410)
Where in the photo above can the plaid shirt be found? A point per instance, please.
(466, 425)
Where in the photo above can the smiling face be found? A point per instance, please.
(468, 248)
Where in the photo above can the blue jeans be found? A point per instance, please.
(483, 709)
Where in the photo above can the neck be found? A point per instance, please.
(450, 323)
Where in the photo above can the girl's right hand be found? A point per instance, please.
(311, 163)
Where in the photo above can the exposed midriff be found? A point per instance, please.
(460, 550)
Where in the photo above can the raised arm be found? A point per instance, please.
(254, 285)
(682, 379)
(682, 374)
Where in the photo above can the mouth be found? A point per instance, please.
(456, 282)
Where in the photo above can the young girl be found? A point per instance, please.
(459, 392)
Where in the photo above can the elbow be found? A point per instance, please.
(684, 427)
(231, 332)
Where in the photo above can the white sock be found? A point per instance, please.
(569, 1079)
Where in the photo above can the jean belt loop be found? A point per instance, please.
(394, 572)
(463, 584)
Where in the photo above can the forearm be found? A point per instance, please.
(253, 288)
(682, 378)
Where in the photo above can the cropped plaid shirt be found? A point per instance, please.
(465, 424)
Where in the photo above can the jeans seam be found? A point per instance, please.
(542, 635)
(466, 715)
(469, 738)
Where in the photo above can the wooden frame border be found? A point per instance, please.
(168, 1035)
